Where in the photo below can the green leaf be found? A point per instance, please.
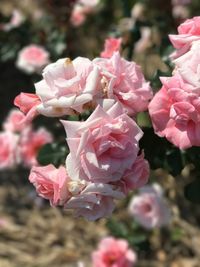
(117, 229)
(143, 119)
(52, 154)
(177, 233)
(136, 239)
(174, 161)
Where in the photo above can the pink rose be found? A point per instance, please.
(111, 45)
(30, 143)
(9, 156)
(13, 121)
(174, 112)
(32, 58)
(113, 252)
(188, 65)
(51, 183)
(137, 176)
(67, 86)
(123, 81)
(27, 103)
(189, 32)
(149, 208)
(103, 147)
(92, 201)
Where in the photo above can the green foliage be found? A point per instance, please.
(162, 154)
(177, 233)
(155, 80)
(53, 154)
(192, 191)
(130, 231)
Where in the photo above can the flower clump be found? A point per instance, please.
(104, 162)
(174, 110)
(19, 142)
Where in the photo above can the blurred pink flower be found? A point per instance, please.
(80, 264)
(92, 200)
(30, 143)
(180, 12)
(3, 222)
(174, 112)
(123, 81)
(111, 45)
(32, 58)
(113, 252)
(188, 32)
(103, 147)
(80, 11)
(78, 15)
(149, 208)
(67, 86)
(9, 154)
(51, 183)
(13, 121)
(16, 20)
(145, 41)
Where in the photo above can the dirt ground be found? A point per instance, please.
(32, 234)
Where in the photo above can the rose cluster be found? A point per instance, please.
(175, 109)
(105, 161)
(19, 142)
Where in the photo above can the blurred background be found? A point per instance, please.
(33, 234)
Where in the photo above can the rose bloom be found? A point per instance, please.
(123, 81)
(13, 121)
(135, 177)
(51, 183)
(174, 112)
(30, 143)
(103, 147)
(111, 45)
(188, 32)
(149, 208)
(32, 58)
(27, 103)
(92, 200)
(113, 252)
(67, 86)
(9, 156)
(188, 65)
